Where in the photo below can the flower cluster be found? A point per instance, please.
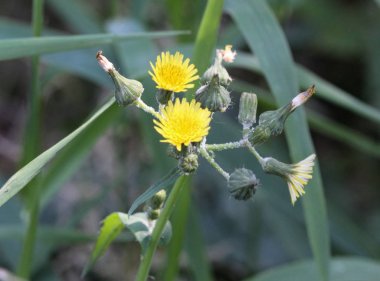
(184, 124)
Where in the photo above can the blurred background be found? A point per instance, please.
(120, 156)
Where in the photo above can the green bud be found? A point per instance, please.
(217, 69)
(157, 200)
(164, 96)
(213, 96)
(126, 90)
(153, 214)
(247, 109)
(242, 184)
(189, 163)
(271, 123)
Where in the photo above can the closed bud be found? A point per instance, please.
(271, 123)
(213, 96)
(127, 90)
(247, 109)
(157, 200)
(189, 163)
(242, 184)
(153, 214)
(217, 69)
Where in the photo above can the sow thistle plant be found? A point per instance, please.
(184, 125)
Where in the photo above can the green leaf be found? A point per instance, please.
(142, 228)
(113, 224)
(22, 177)
(163, 183)
(264, 36)
(23, 47)
(342, 269)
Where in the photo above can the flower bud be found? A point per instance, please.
(126, 90)
(247, 109)
(189, 163)
(157, 200)
(271, 123)
(213, 96)
(153, 214)
(217, 69)
(242, 184)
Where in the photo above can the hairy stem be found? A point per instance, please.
(146, 260)
(213, 163)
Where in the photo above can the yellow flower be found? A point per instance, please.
(173, 74)
(182, 122)
(297, 175)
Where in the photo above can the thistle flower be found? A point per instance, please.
(173, 74)
(183, 122)
(297, 175)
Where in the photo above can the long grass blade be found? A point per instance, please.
(265, 38)
(23, 47)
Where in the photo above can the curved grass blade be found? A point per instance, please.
(163, 183)
(22, 177)
(264, 36)
(24, 47)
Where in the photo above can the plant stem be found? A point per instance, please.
(254, 151)
(213, 163)
(31, 149)
(148, 109)
(225, 146)
(146, 260)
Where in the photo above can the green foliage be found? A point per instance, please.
(138, 224)
(333, 31)
(112, 226)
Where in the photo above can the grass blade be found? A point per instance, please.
(268, 42)
(23, 47)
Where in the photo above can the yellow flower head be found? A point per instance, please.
(299, 176)
(183, 122)
(173, 74)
